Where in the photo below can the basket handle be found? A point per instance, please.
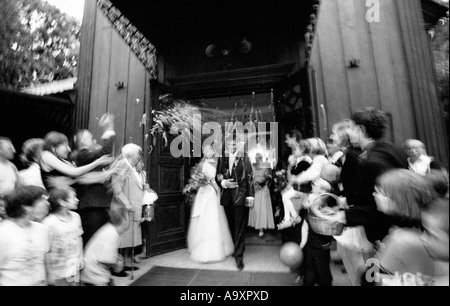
(316, 205)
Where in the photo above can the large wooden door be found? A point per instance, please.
(167, 176)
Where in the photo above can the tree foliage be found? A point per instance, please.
(440, 47)
(38, 43)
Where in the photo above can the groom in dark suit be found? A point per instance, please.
(234, 175)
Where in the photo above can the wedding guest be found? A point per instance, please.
(439, 180)
(299, 163)
(23, 242)
(401, 193)
(292, 139)
(317, 154)
(31, 154)
(282, 172)
(128, 191)
(66, 246)
(55, 165)
(435, 220)
(352, 244)
(41, 207)
(101, 252)
(95, 198)
(335, 153)
(317, 248)
(261, 215)
(8, 171)
(418, 160)
(435, 239)
(377, 157)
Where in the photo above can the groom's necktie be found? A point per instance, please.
(231, 160)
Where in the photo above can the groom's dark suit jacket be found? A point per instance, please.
(242, 173)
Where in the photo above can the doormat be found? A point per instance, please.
(167, 276)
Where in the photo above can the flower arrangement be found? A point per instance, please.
(198, 179)
(280, 180)
(179, 112)
(183, 117)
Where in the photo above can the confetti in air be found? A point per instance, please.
(180, 115)
(143, 121)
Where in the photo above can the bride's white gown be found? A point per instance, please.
(209, 238)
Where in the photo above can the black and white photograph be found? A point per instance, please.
(224, 148)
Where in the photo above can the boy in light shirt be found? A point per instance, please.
(66, 245)
(101, 251)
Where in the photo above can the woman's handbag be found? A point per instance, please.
(148, 209)
(148, 212)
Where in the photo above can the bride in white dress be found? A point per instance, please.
(209, 237)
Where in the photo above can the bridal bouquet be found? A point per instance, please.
(198, 179)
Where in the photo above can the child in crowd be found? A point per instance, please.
(317, 250)
(66, 246)
(299, 162)
(23, 242)
(41, 208)
(31, 154)
(101, 251)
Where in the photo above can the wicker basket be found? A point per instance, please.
(321, 223)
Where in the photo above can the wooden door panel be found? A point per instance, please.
(170, 178)
(171, 225)
(168, 231)
(167, 176)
